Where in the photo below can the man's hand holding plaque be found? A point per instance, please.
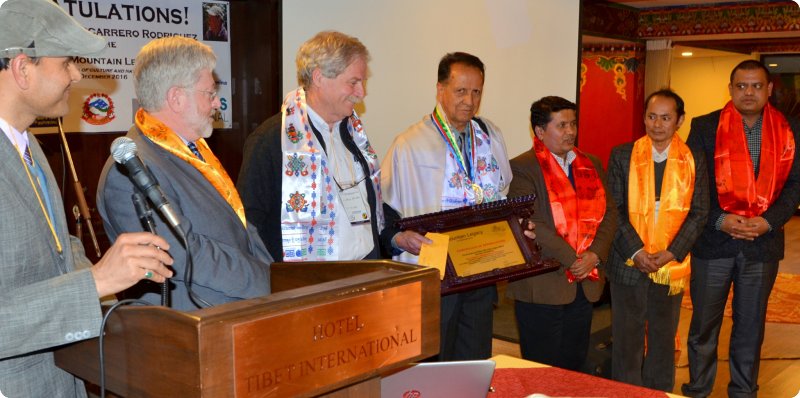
(410, 241)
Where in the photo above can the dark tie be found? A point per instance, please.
(26, 154)
(193, 148)
(462, 144)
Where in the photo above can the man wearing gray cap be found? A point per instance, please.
(48, 288)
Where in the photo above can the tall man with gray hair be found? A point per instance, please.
(178, 96)
(49, 291)
(310, 180)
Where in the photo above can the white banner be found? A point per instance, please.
(105, 100)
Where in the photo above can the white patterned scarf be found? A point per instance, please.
(456, 190)
(309, 194)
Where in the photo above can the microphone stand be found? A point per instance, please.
(145, 214)
(84, 208)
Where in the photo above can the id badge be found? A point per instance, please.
(354, 205)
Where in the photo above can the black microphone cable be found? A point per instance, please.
(102, 339)
(145, 214)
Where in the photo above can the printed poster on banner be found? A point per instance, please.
(105, 100)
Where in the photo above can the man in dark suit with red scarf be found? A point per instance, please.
(754, 184)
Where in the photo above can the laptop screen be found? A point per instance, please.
(465, 379)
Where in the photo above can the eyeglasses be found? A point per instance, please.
(212, 95)
(348, 185)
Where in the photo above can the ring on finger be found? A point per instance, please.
(148, 274)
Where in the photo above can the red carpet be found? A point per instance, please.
(555, 382)
(784, 301)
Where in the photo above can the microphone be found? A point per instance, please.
(143, 212)
(123, 150)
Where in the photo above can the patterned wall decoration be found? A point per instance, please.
(608, 19)
(611, 96)
(728, 19)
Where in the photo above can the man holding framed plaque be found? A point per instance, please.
(449, 159)
(575, 220)
(660, 187)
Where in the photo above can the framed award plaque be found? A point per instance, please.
(487, 244)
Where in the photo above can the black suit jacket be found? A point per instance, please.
(627, 241)
(259, 184)
(712, 243)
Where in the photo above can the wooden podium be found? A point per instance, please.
(328, 328)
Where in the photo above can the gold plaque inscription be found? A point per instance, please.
(290, 354)
(483, 248)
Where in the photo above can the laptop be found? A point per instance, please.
(464, 379)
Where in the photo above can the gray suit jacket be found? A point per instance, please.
(627, 241)
(45, 301)
(230, 262)
(553, 288)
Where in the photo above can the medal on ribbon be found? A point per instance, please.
(473, 191)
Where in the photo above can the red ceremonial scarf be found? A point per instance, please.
(738, 190)
(577, 212)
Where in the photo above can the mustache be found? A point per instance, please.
(354, 99)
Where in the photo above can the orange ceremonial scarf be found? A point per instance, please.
(676, 200)
(738, 190)
(211, 169)
(577, 212)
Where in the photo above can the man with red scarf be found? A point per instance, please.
(575, 223)
(754, 186)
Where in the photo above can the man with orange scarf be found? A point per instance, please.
(176, 89)
(661, 191)
(575, 223)
(754, 185)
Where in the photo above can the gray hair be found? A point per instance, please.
(331, 52)
(168, 62)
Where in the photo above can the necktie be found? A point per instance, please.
(193, 148)
(462, 144)
(26, 154)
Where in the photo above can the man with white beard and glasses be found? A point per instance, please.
(178, 94)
